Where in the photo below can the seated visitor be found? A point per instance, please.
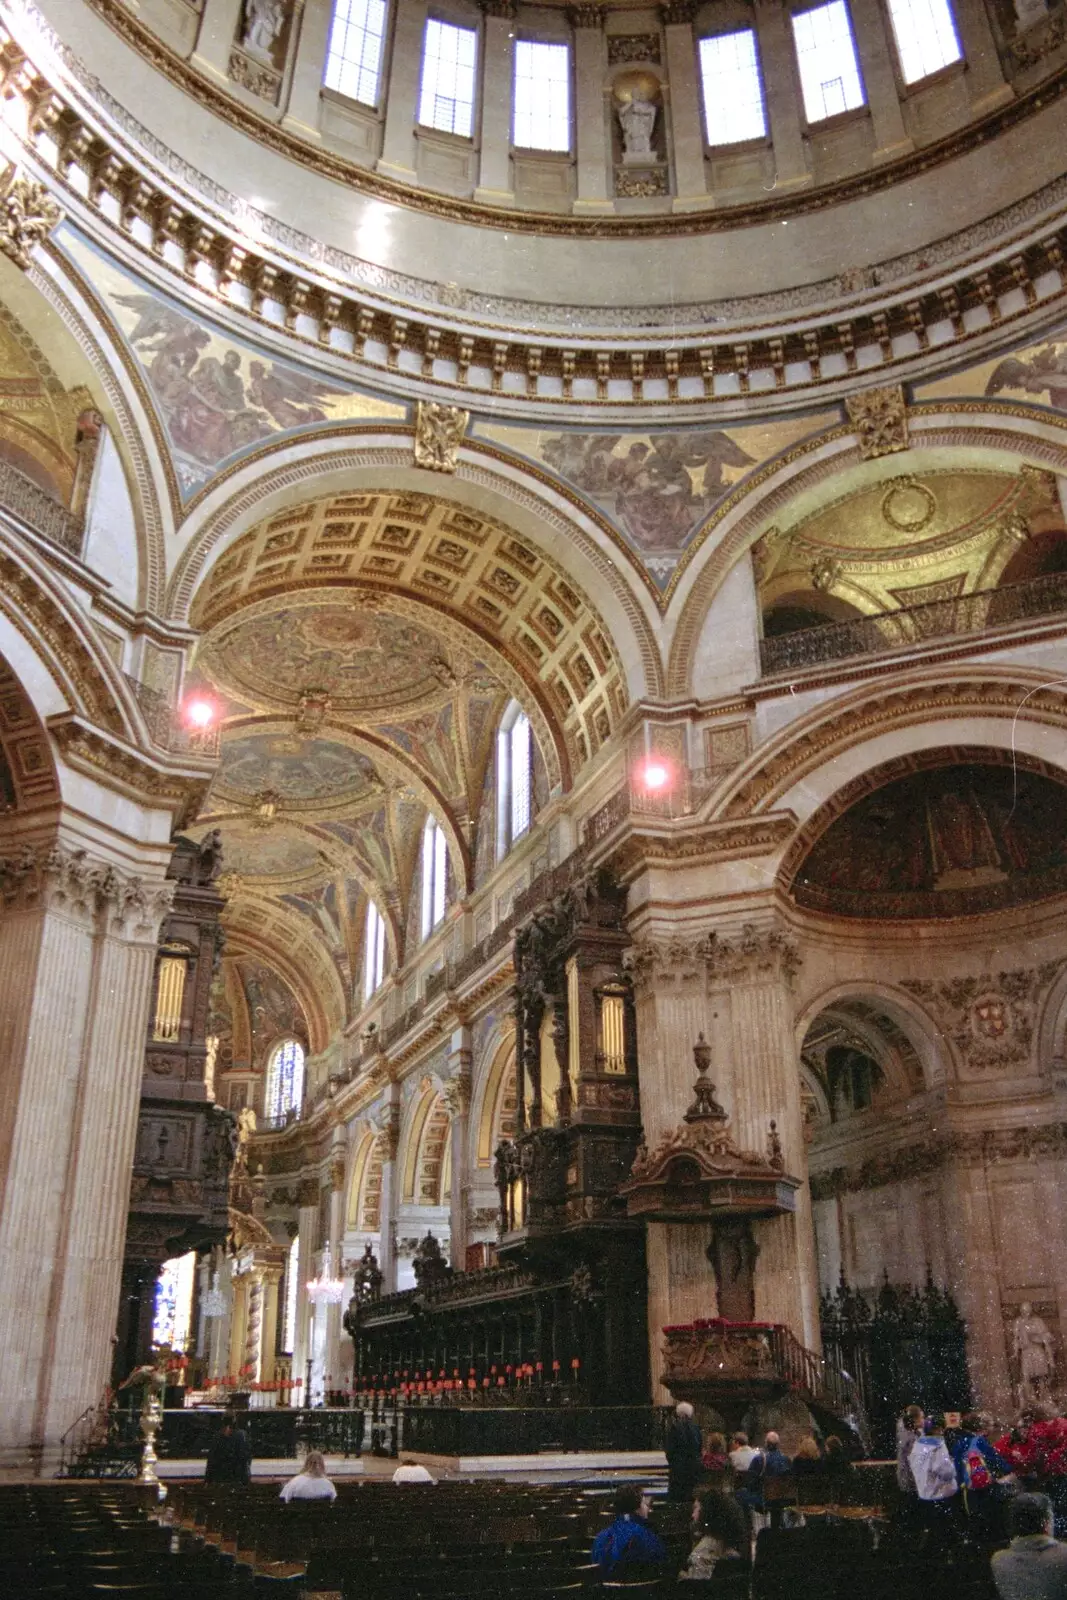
(720, 1523)
(628, 1542)
(312, 1483)
(715, 1458)
(776, 1464)
(1034, 1566)
(808, 1458)
(835, 1456)
(412, 1471)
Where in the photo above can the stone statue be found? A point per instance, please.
(264, 20)
(429, 1264)
(637, 118)
(209, 860)
(1034, 1350)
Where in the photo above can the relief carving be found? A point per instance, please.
(27, 216)
(989, 1018)
(880, 420)
(439, 433)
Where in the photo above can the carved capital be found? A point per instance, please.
(880, 420)
(439, 431)
(28, 214)
(53, 877)
(456, 1094)
(498, 8)
(677, 12)
(653, 963)
(337, 1173)
(756, 953)
(586, 16)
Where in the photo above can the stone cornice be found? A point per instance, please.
(967, 1147)
(179, 785)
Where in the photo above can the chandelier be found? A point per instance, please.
(324, 1290)
(214, 1302)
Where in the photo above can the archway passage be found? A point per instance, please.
(940, 834)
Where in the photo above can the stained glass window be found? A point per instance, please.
(285, 1079)
(172, 1316)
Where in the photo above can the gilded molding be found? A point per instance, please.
(28, 214)
(880, 419)
(439, 431)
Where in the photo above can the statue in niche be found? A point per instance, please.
(637, 119)
(1034, 1350)
(264, 21)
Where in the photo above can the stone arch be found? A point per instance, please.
(276, 936)
(424, 1115)
(369, 1211)
(987, 429)
(489, 481)
(28, 778)
(932, 1050)
(808, 761)
(127, 407)
(498, 1082)
(358, 1177)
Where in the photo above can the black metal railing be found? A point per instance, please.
(911, 625)
(42, 512)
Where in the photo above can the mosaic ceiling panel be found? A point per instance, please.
(944, 841)
(218, 397)
(295, 770)
(1035, 373)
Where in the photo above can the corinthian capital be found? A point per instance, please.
(654, 962)
(456, 1094)
(53, 877)
(754, 953)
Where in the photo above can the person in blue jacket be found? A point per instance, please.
(980, 1469)
(628, 1541)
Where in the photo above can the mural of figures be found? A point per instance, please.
(659, 488)
(1036, 373)
(217, 396)
(942, 842)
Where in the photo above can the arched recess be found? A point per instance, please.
(433, 1166)
(497, 1106)
(369, 1205)
(1051, 1031)
(358, 1179)
(803, 766)
(911, 1043)
(489, 483)
(987, 432)
(28, 780)
(103, 363)
(412, 1136)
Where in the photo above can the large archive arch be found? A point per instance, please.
(442, 678)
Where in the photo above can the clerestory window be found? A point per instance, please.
(354, 55)
(926, 37)
(542, 105)
(434, 873)
(514, 774)
(449, 57)
(733, 90)
(826, 56)
(285, 1080)
(373, 951)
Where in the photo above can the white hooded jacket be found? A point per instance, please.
(932, 1469)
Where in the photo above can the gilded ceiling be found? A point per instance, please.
(908, 539)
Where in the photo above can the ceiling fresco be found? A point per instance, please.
(293, 769)
(364, 659)
(218, 397)
(658, 488)
(259, 853)
(941, 842)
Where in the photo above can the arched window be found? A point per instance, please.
(514, 771)
(373, 951)
(434, 868)
(285, 1079)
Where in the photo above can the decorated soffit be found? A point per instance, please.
(963, 832)
(440, 573)
(218, 398)
(908, 538)
(38, 416)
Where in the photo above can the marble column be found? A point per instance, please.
(307, 1234)
(457, 1096)
(750, 985)
(785, 112)
(498, 79)
(214, 41)
(309, 67)
(271, 1280)
(683, 89)
(876, 50)
(974, 1281)
(590, 121)
(336, 1369)
(397, 159)
(388, 1125)
(77, 944)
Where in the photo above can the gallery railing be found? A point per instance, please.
(165, 726)
(39, 510)
(912, 625)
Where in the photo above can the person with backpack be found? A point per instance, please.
(935, 1480)
(980, 1472)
